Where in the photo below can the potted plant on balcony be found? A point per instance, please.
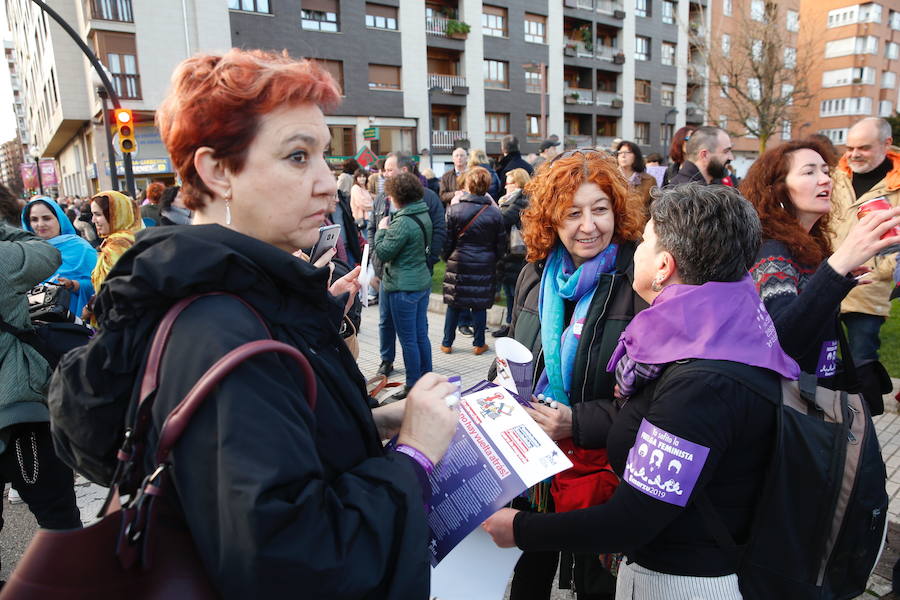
(616, 103)
(572, 97)
(584, 32)
(619, 59)
(457, 30)
(569, 50)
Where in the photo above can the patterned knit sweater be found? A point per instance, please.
(803, 301)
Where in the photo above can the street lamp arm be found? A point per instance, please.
(95, 62)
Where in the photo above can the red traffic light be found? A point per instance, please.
(125, 124)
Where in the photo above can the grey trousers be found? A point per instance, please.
(638, 583)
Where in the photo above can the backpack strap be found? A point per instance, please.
(424, 233)
(711, 518)
(30, 337)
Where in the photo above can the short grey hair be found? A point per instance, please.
(509, 143)
(712, 231)
(884, 128)
(703, 138)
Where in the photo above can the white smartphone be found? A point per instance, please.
(328, 238)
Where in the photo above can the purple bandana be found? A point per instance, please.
(717, 321)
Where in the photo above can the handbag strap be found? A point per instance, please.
(472, 220)
(178, 419)
(132, 450)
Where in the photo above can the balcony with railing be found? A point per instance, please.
(444, 140)
(609, 53)
(446, 82)
(128, 86)
(611, 99)
(579, 96)
(582, 4)
(605, 141)
(110, 10)
(436, 25)
(610, 7)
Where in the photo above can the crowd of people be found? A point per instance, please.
(614, 278)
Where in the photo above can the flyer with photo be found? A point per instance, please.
(497, 453)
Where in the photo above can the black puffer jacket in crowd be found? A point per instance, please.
(470, 280)
(510, 265)
(281, 501)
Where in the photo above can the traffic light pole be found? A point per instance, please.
(110, 151)
(110, 90)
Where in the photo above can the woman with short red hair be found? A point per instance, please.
(574, 298)
(281, 500)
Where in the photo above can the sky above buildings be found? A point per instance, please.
(7, 115)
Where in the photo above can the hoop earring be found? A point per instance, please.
(656, 286)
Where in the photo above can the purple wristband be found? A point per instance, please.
(417, 456)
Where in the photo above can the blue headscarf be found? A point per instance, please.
(78, 256)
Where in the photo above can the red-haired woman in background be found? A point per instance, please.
(281, 501)
(574, 298)
(676, 151)
(801, 280)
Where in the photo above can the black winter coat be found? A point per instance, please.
(470, 279)
(281, 501)
(509, 267)
(510, 162)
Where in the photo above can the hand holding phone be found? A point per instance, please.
(328, 238)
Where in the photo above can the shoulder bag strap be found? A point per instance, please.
(180, 416)
(424, 233)
(472, 220)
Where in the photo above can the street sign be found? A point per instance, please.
(365, 157)
(371, 133)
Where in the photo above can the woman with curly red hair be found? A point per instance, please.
(281, 499)
(573, 300)
(801, 280)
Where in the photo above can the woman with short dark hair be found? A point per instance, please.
(681, 368)
(402, 242)
(631, 165)
(476, 239)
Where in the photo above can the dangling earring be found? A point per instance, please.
(228, 207)
(656, 286)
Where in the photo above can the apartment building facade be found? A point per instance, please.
(857, 47)
(420, 75)
(139, 43)
(732, 26)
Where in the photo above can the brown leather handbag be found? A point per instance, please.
(140, 549)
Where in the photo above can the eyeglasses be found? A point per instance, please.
(621, 152)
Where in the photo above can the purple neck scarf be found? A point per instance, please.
(717, 321)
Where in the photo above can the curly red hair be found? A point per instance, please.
(217, 101)
(552, 190)
(765, 186)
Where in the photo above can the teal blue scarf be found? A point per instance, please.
(562, 281)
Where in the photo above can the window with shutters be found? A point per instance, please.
(384, 77)
(493, 21)
(641, 90)
(496, 74)
(379, 16)
(117, 51)
(641, 48)
(667, 54)
(496, 125)
(668, 12)
(320, 15)
(535, 28)
(642, 133)
(336, 68)
(667, 94)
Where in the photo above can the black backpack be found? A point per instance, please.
(822, 516)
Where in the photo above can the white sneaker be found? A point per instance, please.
(14, 497)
